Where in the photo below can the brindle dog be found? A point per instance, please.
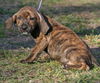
(59, 42)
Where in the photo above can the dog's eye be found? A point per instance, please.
(32, 18)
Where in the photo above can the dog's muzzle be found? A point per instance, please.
(24, 28)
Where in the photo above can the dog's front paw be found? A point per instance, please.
(25, 61)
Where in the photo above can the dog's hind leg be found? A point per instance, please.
(75, 61)
(79, 66)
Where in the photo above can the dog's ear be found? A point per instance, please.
(42, 23)
(10, 22)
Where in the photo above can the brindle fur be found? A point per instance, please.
(59, 42)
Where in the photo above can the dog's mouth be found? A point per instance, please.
(24, 29)
(24, 32)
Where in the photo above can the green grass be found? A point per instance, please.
(2, 30)
(77, 24)
(2, 11)
(12, 71)
(93, 39)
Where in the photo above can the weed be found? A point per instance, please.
(2, 32)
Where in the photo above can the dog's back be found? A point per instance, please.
(66, 47)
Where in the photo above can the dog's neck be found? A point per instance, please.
(47, 22)
(53, 24)
(41, 28)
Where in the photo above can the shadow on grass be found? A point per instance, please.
(83, 32)
(16, 42)
(96, 53)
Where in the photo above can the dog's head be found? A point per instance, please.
(26, 19)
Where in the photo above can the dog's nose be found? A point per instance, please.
(24, 27)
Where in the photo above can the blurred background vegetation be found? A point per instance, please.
(80, 15)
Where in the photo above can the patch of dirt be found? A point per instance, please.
(16, 42)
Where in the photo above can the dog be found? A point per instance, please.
(59, 42)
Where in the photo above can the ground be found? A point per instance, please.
(82, 16)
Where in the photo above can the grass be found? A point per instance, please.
(93, 39)
(2, 11)
(12, 71)
(78, 24)
(2, 32)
